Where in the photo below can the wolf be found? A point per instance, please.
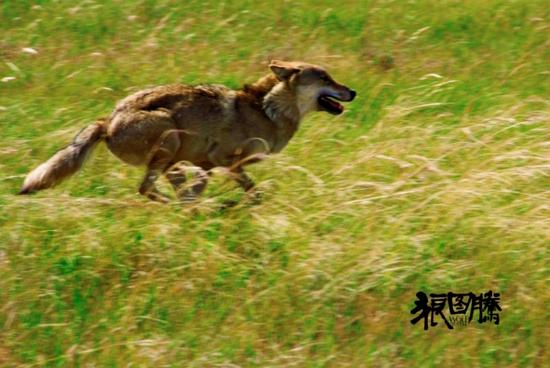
(207, 125)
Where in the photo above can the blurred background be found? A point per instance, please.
(435, 178)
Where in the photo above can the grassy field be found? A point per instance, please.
(436, 178)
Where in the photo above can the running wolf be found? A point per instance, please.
(207, 125)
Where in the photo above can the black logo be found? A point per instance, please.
(456, 310)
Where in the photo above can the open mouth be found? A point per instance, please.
(329, 104)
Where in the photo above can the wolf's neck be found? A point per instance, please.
(280, 105)
(275, 99)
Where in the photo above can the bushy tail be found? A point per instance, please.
(65, 162)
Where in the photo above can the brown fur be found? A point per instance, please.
(209, 126)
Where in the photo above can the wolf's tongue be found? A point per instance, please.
(330, 105)
(335, 104)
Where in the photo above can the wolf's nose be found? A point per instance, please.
(352, 94)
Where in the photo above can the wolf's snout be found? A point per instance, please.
(346, 94)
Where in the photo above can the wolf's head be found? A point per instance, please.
(312, 87)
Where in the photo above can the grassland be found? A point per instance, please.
(436, 178)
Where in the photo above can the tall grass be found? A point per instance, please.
(436, 178)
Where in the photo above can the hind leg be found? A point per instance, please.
(176, 178)
(148, 188)
(188, 193)
(162, 157)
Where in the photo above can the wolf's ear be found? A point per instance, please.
(283, 70)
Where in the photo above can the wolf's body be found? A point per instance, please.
(209, 126)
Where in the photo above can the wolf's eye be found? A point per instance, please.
(325, 78)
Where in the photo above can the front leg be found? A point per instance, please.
(248, 185)
(235, 159)
(243, 179)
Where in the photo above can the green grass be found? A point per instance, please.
(436, 179)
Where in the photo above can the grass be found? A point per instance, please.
(436, 178)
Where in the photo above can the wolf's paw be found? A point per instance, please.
(188, 198)
(255, 197)
(228, 203)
